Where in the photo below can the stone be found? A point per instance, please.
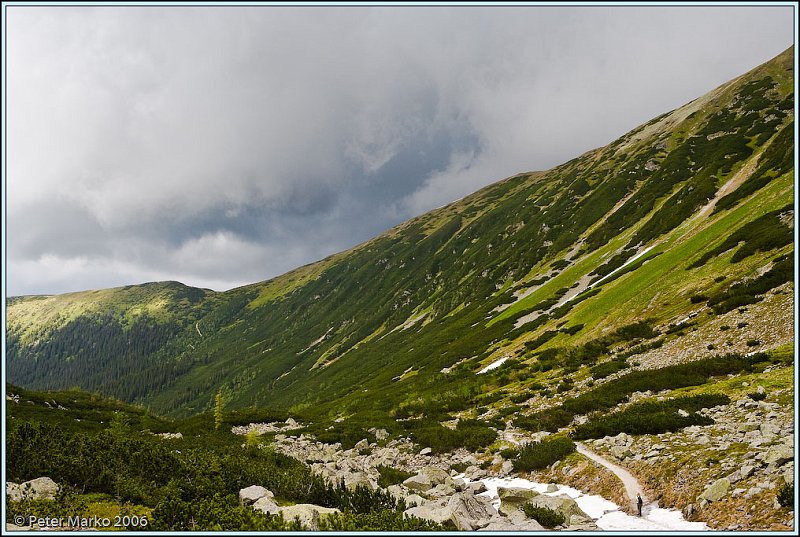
(503, 524)
(477, 511)
(267, 505)
(580, 523)
(620, 452)
(779, 455)
(308, 514)
(682, 413)
(355, 479)
(435, 512)
(769, 429)
(552, 487)
(426, 451)
(476, 487)
(381, 434)
(716, 491)
(414, 499)
(507, 467)
(397, 492)
(252, 494)
(361, 445)
(513, 498)
(41, 488)
(561, 503)
(291, 424)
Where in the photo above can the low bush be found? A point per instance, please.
(544, 515)
(391, 476)
(654, 417)
(539, 455)
(605, 369)
(786, 495)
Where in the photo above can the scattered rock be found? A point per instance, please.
(716, 491)
(252, 494)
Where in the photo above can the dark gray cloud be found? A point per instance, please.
(221, 146)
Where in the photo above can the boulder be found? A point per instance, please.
(13, 491)
(361, 445)
(504, 524)
(428, 478)
(475, 487)
(512, 499)
(252, 494)
(620, 452)
(716, 491)
(476, 510)
(426, 451)
(267, 505)
(41, 488)
(779, 455)
(507, 467)
(433, 511)
(381, 434)
(562, 504)
(355, 479)
(308, 514)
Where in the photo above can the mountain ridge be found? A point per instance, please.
(516, 258)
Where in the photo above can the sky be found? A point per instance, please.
(220, 146)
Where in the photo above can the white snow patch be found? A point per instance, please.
(493, 365)
(606, 514)
(628, 262)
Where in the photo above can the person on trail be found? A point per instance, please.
(639, 503)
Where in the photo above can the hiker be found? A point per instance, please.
(639, 503)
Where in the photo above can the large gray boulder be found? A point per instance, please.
(716, 491)
(308, 514)
(266, 505)
(428, 478)
(779, 455)
(476, 510)
(458, 513)
(562, 504)
(512, 499)
(504, 524)
(41, 488)
(251, 494)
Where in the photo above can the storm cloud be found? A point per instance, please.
(220, 146)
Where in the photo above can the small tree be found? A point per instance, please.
(218, 405)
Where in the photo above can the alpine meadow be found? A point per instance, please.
(476, 367)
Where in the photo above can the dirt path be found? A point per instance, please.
(632, 486)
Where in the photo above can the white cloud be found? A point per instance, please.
(139, 137)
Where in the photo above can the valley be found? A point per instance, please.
(635, 304)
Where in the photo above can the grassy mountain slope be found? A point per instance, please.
(684, 221)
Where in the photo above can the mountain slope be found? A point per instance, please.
(670, 229)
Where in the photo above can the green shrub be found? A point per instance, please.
(652, 417)
(753, 342)
(786, 495)
(757, 396)
(391, 476)
(544, 515)
(538, 455)
(605, 369)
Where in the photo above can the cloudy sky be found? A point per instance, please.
(221, 146)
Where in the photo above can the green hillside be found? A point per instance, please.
(629, 256)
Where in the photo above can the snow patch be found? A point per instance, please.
(606, 514)
(628, 262)
(493, 365)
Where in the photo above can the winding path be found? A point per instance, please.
(632, 485)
